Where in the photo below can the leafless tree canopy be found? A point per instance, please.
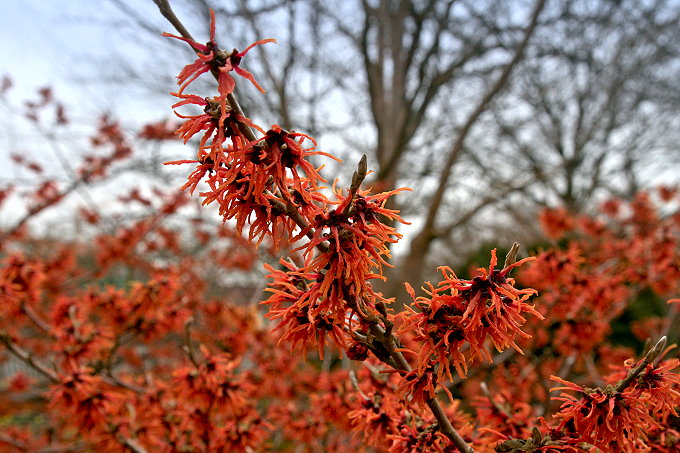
(488, 109)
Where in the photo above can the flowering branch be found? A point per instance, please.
(356, 210)
(267, 183)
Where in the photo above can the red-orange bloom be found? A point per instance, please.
(276, 160)
(297, 307)
(85, 399)
(604, 417)
(467, 311)
(333, 286)
(214, 382)
(661, 388)
(216, 119)
(211, 58)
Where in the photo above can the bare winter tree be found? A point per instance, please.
(405, 81)
(594, 109)
(486, 108)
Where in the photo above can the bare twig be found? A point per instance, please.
(649, 358)
(37, 320)
(188, 343)
(21, 445)
(132, 444)
(28, 358)
(496, 404)
(117, 382)
(355, 383)
(167, 12)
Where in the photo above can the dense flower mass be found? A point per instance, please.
(139, 340)
(332, 293)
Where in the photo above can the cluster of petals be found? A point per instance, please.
(213, 382)
(660, 388)
(255, 181)
(386, 420)
(20, 283)
(605, 417)
(322, 297)
(460, 312)
(85, 398)
(211, 58)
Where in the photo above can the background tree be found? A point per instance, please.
(592, 110)
(488, 109)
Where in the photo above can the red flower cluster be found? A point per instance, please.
(606, 418)
(332, 294)
(454, 321)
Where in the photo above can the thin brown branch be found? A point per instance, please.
(188, 343)
(446, 427)
(35, 319)
(132, 444)
(21, 445)
(117, 382)
(85, 177)
(28, 358)
(78, 446)
(390, 342)
(16, 443)
(167, 12)
(494, 403)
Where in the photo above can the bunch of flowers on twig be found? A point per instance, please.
(166, 364)
(344, 245)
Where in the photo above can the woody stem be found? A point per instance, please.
(651, 355)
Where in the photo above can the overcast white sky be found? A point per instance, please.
(50, 43)
(47, 42)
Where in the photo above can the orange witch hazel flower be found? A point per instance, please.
(333, 288)
(85, 398)
(459, 312)
(280, 153)
(605, 417)
(211, 58)
(294, 304)
(216, 116)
